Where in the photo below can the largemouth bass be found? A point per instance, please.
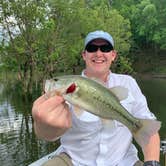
(97, 99)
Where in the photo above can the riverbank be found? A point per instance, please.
(152, 65)
(150, 75)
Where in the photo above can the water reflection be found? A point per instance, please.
(18, 144)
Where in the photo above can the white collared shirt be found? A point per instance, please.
(92, 143)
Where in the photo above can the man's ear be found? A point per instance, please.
(83, 55)
(114, 55)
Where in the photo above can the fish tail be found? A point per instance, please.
(149, 128)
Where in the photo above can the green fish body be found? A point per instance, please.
(97, 99)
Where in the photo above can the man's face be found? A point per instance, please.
(98, 62)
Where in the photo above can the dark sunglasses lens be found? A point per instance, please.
(103, 48)
(91, 48)
(106, 48)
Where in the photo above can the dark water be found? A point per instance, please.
(155, 91)
(18, 144)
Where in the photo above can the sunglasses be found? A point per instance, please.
(104, 48)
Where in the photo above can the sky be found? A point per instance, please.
(14, 29)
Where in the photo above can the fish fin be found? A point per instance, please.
(108, 123)
(149, 128)
(120, 92)
(78, 111)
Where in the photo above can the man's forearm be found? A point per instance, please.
(48, 133)
(152, 149)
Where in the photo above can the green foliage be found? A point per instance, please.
(20, 20)
(43, 38)
(123, 65)
(147, 18)
(79, 21)
(50, 34)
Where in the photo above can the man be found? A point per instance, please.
(85, 139)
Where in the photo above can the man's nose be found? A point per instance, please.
(99, 52)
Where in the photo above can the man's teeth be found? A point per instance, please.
(98, 61)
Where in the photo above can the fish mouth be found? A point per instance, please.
(52, 88)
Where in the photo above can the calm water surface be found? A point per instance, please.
(18, 144)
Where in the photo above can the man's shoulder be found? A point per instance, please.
(124, 80)
(117, 76)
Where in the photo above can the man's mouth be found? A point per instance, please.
(98, 61)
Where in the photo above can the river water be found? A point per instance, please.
(18, 144)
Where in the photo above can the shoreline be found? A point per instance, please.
(159, 76)
(151, 75)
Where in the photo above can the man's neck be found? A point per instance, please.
(100, 76)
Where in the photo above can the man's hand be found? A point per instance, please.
(51, 117)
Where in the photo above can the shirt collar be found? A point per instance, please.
(107, 80)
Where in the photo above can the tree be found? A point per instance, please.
(82, 17)
(50, 34)
(160, 32)
(20, 20)
(147, 18)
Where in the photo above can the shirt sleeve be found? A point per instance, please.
(140, 107)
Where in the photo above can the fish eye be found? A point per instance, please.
(55, 79)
